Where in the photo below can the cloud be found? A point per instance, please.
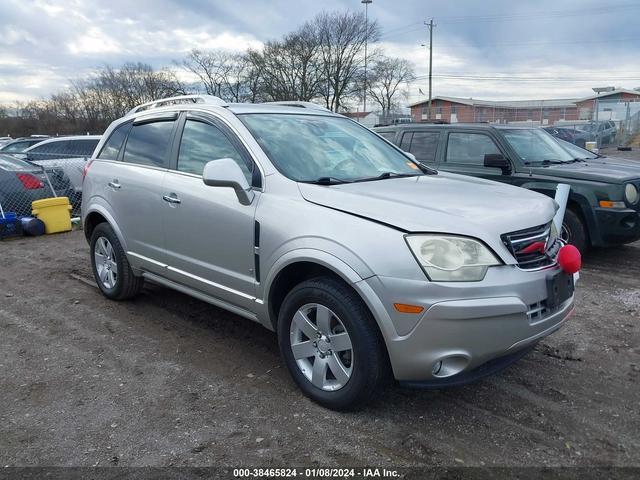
(93, 42)
(585, 42)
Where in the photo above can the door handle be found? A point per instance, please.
(170, 199)
(115, 184)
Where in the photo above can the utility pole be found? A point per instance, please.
(366, 40)
(430, 25)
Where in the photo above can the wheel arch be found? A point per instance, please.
(298, 266)
(97, 215)
(578, 202)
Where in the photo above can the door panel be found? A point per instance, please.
(209, 235)
(134, 193)
(209, 238)
(135, 185)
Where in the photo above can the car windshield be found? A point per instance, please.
(306, 148)
(575, 151)
(536, 145)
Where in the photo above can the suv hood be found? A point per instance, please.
(443, 203)
(599, 169)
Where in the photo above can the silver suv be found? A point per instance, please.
(367, 264)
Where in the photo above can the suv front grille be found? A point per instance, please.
(533, 248)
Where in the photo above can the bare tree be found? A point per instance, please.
(94, 102)
(212, 68)
(389, 77)
(341, 36)
(290, 69)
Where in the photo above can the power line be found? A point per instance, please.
(552, 42)
(528, 79)
(538, 14)
(451, 20)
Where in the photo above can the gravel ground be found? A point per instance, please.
(169, 380)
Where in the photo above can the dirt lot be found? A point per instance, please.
(168, 380)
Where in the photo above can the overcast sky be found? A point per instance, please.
(545, 49)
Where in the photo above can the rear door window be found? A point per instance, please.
(149, 144)
(83, 148)
(424, 146)
(49, 150)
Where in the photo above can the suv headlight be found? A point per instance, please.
(631, 193)
(447, 258)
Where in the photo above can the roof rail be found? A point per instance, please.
(298, 104)
(206, 99)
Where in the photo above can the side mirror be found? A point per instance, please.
(496, 160)
(225, 172)
(411, 156)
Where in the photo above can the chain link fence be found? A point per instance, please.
(23, 181)
(608, 122)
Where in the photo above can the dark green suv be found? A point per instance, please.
(604, 203)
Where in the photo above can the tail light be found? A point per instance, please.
(30, 182)
(85, 169)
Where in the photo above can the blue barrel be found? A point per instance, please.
(32, 226)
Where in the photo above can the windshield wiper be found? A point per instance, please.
(385, 175)
(327, 181)
(547, 162)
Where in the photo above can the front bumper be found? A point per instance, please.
(464, 325)
(617, 226)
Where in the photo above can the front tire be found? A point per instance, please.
(111, 268)
(574, 231)
(331, 345)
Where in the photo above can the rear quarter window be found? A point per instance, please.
(388, 135)
(112, 146)
(424, 145)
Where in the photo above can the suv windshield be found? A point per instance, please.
(307, 148)
(536, 145)
(575, 151)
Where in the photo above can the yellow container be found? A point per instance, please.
(54, 212)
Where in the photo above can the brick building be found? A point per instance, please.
(545, 112)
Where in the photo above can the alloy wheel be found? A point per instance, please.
(321, 347)
(106, 265)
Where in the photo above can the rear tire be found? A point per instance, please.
(360, 366)
(110, 266)
(574, 231)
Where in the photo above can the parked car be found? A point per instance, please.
(602, 132)
(361, 259)
(572, 134)
(19, 145)
(603, 205)
(67, 153)
(4, 140)
(80, 146)
(566, 134)
(22, 182)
